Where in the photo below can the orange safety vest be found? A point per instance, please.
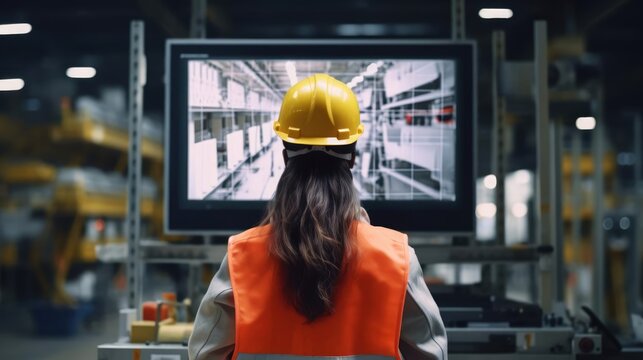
(369, 301)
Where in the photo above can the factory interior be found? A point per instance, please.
(504, 137)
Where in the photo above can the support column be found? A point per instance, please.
(457, 19)
(135, 117)
(498, 159)
(544, 205)
(598, 154)
(197, 22)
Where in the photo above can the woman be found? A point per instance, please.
(316, 280)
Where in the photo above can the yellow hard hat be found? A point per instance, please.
(319, 110)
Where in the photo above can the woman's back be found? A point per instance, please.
(366, 316)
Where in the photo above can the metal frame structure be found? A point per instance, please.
(545, 225)
(635, 288)
(458, 19)
(598, 154)
(498, 158)
(576, 221)
(496, 275)
(133, 220)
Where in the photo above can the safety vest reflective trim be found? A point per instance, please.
(305, 357)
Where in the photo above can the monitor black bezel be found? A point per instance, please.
(183, 216)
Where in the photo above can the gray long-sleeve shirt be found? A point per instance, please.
(423, 335)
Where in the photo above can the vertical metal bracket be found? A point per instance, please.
(135, 117)
(544, 204)
(457, 19)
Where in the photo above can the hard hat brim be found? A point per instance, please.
(328, 141)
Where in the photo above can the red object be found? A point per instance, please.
(100, 225)
(409, 119)
(369, 299)
(149, 311)
(168, 296)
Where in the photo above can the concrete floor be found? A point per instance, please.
(20, 343)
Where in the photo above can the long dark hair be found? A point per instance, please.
(311, 215)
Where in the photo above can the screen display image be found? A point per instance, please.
(408, 108)
(414, 165)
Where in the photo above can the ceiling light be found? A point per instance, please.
(11, 84)
(495, 13)
(586, 123)
(15, 29)
(81, 72)
(490, 182)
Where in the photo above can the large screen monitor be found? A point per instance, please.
(414, 163)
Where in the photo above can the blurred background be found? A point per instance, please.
(64, 69)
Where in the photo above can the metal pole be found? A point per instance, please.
(556, 216)
(598, 290)
(457, 33)
(498, 159)
(576, 211)
(135, 115)
(197, 23)
(543, 188)
(635, 303)
(457, 19)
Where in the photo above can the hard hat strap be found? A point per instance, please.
(293, 153)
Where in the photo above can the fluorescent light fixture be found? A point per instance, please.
(519, 210)
(486, 210)
(292, 72)
(81, 72)
(15, 29)
(490, 182)
(585, 123)
(11, 84)
(371, 70)
(495, 13)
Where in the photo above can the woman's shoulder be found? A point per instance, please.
(381, 232)
(255, 233)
